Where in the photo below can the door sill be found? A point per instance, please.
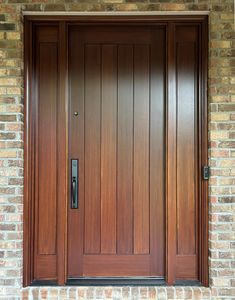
(116, 281)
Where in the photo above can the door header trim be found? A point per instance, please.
(115, 13)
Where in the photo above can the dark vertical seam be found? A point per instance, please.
(117, 50)
(101, 75)
(133, 139)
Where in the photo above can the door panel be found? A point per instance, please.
(187, 151)
(46, 62)
(117, 75)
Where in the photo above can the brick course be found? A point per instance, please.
(221, 96)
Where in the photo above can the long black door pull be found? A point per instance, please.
(74, 183)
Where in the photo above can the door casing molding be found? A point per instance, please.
(201, 19)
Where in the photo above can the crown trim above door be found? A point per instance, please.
(47, 142)
(117, 13)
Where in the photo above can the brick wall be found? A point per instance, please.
(221, 152)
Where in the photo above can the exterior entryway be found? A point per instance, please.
(116, 145)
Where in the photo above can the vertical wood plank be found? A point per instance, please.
(76, 148)
(62, 154)
(125, 151)
(157, 153)
(92, 148)
(186, 149)
(108, 149)
(171, 160)
(141, 149)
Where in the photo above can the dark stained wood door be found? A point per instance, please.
(117, 88)
(126, 98)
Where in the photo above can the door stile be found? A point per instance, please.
(62, 136)
(171, 158)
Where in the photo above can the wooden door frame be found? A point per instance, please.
(168, 20)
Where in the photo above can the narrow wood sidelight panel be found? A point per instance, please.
(187, 151)
(46, 70)
(47, 86)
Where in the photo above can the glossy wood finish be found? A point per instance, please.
(45, 149)
(116, 138)
(180, 140)
(125, 157)
(187, 149)
(46, 62)
(108, 149)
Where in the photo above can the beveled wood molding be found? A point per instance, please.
(117, 13)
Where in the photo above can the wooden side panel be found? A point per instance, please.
(157, 154)
(92, 148)
(125, 151)
(187, 145)
(47, 148)
(46, 153)
(141, 149)
(108, 148)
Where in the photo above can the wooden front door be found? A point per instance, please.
(117, 134)
(115, 145)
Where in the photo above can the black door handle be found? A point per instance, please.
(74, 185)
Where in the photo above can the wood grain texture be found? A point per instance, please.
(125, 151)
(171, 238)
(141, 149)
(92, 148)
(187, 150)
(184, 266)
(117, 265)
(62, 155)
(47, 148)
(46, 72)
(117, 100)
(76, 67)
(157, 163)
(108, 148)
